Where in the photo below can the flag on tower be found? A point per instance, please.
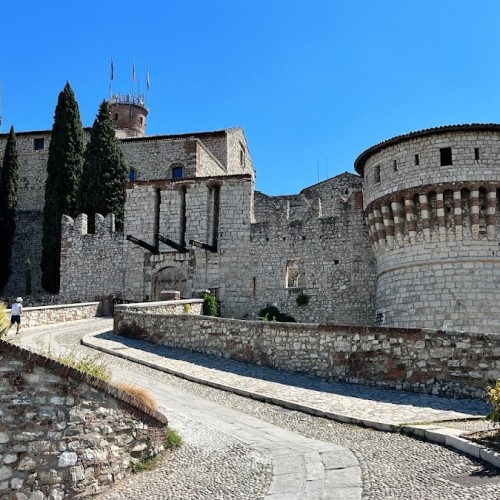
(112, 74)
(133, 72)
(147, 79)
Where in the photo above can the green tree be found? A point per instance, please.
(9, 180)
(102, 189)
(64, 170)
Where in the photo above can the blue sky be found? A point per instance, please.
(312, 83)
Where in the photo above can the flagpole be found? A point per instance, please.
(111, 77)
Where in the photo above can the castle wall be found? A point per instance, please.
(323, 234)
(91, 264)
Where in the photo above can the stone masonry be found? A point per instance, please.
(65, 434)
(448, 364)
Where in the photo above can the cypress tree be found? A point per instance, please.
(64, 169)
(9, 180)
(102, 189)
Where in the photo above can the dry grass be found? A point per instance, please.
(138, 392)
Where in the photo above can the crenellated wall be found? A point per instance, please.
(91, 264)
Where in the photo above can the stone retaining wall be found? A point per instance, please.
(46, 315)
(65, 434)
(186, 306)
(449, 364)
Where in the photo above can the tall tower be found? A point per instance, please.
(128, 113)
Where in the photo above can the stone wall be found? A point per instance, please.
(65, 434)
(91, 264)
(449, 364)
(191, 306)
(46, 315)
(321, 234)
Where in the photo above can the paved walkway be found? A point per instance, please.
(302, 468)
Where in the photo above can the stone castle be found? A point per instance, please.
(411, 241)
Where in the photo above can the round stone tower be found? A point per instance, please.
(432, 202)
(128, 113)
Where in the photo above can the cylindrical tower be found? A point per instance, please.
(432, 203)
(128, 113)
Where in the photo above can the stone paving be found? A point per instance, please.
(392, 465)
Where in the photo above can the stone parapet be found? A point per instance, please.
(449, 364)
(46, 315)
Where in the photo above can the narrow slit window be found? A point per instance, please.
(377, 174)
(446, 156)
(417, 159)
(395, 165)
(476, 154)
(131, 174)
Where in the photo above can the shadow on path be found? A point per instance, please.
(472, 406)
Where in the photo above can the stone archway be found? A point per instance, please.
(169, 278)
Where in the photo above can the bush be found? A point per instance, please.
(272, 313)
(187, 308)
(4, 320)
(302, 299)
(172, 439)
(209, 305)
(493, 399)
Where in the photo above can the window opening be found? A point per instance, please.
(446, 157)
(476, 154)
(295, 276)
(177, 173)
(395, 165)
(417, 159)
(377, 173)
(116, 116)
(131, 174)
(39, 144)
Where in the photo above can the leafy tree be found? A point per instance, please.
(102, 189)
(64, 169)
(9, 179)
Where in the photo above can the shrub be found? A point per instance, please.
(302, 299)
(172, 439)
(493, 399)
(187, 308)
(4, 320)
(209, 305)
(272, 313)
(138, 392)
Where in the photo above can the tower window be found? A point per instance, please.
(116, 116)
(446, 157)
(131, 174)
(476, 154)
(395, 165)
(141, 119)
(177, 173)
(417, 159)
(39, 144)
(377, 174)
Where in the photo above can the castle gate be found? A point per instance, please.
(169, 278)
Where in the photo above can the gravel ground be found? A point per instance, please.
(394, 466)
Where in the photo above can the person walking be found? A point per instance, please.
(16, 310)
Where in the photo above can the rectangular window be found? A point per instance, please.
(476, 154)
(377, 174)
(177, 173)
(395, 165)
(417, 159)
(446, 158)
(39, 144)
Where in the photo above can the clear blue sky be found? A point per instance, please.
(312, 83)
